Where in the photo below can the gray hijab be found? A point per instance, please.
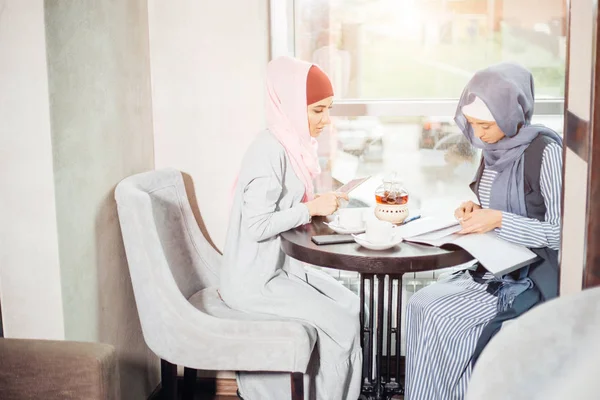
(507, 90)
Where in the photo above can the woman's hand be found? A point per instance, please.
(325, 204)
(465, 209)
(481, 221)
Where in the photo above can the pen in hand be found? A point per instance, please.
(411, 219)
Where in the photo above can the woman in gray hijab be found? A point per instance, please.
(518, 186)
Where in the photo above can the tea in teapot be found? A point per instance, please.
(392, 200)
(391, 191)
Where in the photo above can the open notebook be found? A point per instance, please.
(496, 255)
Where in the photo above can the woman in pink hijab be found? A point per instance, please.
(274, 193)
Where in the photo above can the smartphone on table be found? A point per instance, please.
(332, 239)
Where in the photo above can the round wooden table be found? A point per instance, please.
(373, 265)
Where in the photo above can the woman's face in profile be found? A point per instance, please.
(487, 131)
(318, 116)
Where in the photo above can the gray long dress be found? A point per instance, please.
(258, 277)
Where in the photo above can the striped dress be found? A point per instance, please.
(444, 320)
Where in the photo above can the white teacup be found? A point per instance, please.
(380, 231)
(350, 218)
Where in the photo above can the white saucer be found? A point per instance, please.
(342, 230)
(362, 240)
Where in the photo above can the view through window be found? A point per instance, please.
(391, 49)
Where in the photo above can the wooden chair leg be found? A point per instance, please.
(297, 384)
(189, 383)
(168, 374)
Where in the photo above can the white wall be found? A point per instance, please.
(207, 63)
(573, 239)
(76, 118)
(29, 261)
(581, 32)
(101, 119)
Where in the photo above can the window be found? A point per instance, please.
(398, 49)
(398, 68)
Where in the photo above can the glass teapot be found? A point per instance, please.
(391, 191)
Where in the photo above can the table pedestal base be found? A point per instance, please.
(376, 385)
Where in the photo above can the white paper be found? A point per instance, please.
(497, 255)
(439, 234)
(427, 225)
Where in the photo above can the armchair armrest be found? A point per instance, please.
(45, 369)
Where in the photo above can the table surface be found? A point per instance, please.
(400, 259)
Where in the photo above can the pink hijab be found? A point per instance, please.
(287, 117)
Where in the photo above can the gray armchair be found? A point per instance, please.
(175, 275)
